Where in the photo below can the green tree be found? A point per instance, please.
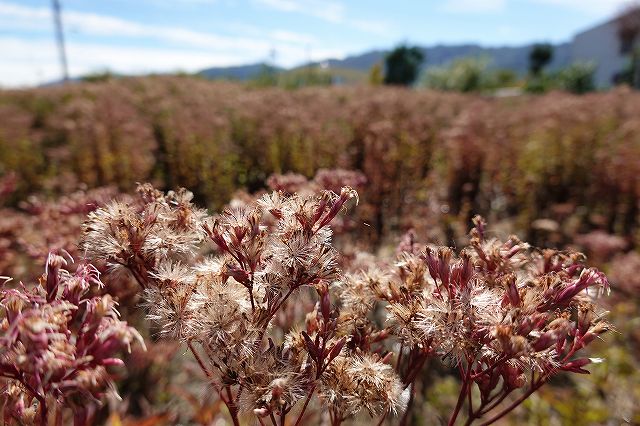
(539, 57)
(462, 75)
(577, 78)
(403, 65)
(267, 77)
(504, 77)
(375, 75)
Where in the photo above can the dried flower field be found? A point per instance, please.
(339, 254)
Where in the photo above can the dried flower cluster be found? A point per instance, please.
(223, 307)
(57, 345)
(505, 316)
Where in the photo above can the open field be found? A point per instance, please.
(557, 170)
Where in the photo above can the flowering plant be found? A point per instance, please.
(57, 345)
(499, 312)
(508, 318)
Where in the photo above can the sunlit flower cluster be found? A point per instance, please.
(506, 316)
(232, 286)
(58, 344)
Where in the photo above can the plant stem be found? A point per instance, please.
(399, 358)
(43, 412)
(415, 369)
(493, 405)
(461, 396)
(534, 387)
(304, 407)
(490, 368)
(233, 411)
(199, 360)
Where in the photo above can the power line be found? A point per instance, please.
(57, 20)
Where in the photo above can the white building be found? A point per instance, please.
(601, 45)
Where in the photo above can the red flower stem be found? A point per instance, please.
(470, 401)
(490, 368)
(415, 369)
(534, 387)
(199, 360)
(493, 404)
(461, 396)
(407, 411)
(304, 407)
(233, 411)
(399, 358)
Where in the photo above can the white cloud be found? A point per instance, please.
(29, 62)
(471, 6)
(32, 62)
(102, 25)
(327, 10)
(590, 7)
(331, 11)
(593, 7)
(292, 37)
(26, 60)
(371, 26)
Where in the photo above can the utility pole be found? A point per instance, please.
(57, 20)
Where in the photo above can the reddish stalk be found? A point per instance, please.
(490, 368)
(304, 407)
(462, 395)
(407, 412)
(399, 358)
(233, 411)
(415, 369)
(493, 405)
(534, 387)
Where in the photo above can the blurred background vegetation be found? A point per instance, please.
(557, 169)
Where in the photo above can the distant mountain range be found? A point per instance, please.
(239, 72)
(512, 58)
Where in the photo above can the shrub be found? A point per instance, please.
(578, 78)
(463, 75)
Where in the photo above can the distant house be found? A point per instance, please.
(602, 46)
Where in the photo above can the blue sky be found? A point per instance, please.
(140, 36)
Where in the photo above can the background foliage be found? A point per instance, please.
(557, 169)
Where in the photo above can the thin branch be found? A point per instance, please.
(228, 401)
(490, 368)
(494, 404)
(534, 387)
(461, 396)
(304, 407)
